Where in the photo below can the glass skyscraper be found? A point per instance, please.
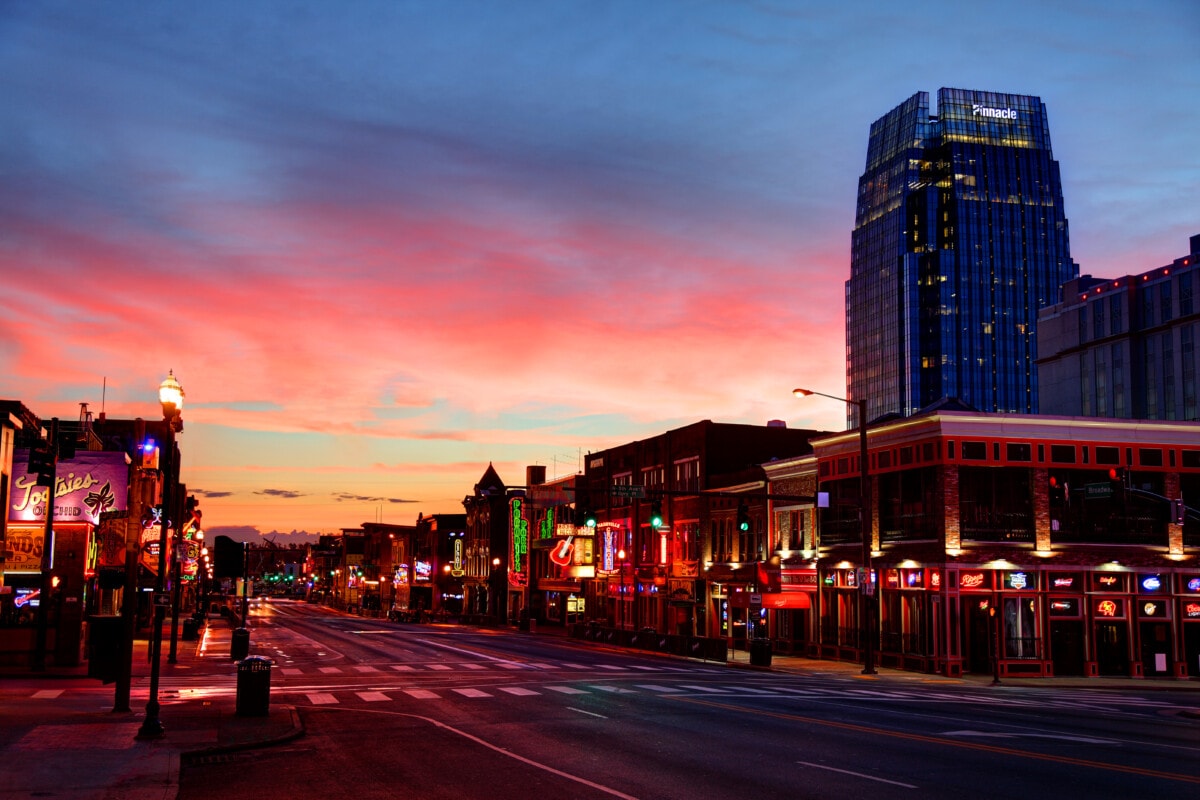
(960, 237)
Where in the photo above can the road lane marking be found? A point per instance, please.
(699, 688)
(471, 693)
(292, 671)
(654, 687)
(331, 670)
(565, 689)
(519, 691)
(321, 698)
(373, 697)
(473, 666)
(505, 752)
(857, 774)
(613, 689)
(610, 666)
(1017, 735)
(47, 694)
(403, 668)
(421, 694)
(508, 665)
(366, 668)
(589, 713)
(918, 737)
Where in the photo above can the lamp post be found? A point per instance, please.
(170, 395)
(621, 594)
(867, 588)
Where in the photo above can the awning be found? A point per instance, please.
(770, 599)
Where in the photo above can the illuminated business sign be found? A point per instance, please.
(1152, 608)
(1020, 581)
(1192, 584)
(86, 486)
(974, 579)
(1108, 583)
(1191, 610)
(1112, 609)
(519, 537)
(1150, 584)
(1061, 582)
(456, 560)
(1063, 607)
(422, 570)
(979, 110)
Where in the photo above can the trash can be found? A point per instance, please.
(760, 652)
(254, 687)
(106, 640)
(239, 645)
(191, 629)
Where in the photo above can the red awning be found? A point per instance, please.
(771, 600)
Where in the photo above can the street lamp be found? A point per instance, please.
(866, 589)
(170, 395)
(621, 594)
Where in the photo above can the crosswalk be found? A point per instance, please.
(481, 667)
(324, 698)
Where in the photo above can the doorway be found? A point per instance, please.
(1156, 648)
(1066, 647)
(1112, 648)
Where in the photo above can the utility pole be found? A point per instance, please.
(47, 475)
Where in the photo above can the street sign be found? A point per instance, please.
(162, 599)
(1097, 491)
(625, 490)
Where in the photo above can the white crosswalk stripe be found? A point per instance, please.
(373, 697)
(472, 693)
(566, 689)
(322, 699)
(518, 691)
(421, 694)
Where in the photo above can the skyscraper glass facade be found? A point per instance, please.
(960, 237)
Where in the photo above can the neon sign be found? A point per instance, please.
(1018, 580)
(1106, 608)
(1064, 583)
(1191, 610)
(1194, 585)
(971, 580)
(519, 527)
(1151, 583)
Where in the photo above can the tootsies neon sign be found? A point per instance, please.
(993, 113)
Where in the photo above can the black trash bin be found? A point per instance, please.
(191, 629)
(239, 645)
(254, 687)
(760, 652)
(106, 640)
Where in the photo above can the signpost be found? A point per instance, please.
(625, 490)
(1097, 491)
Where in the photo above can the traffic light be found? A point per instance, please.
(1057, 490)
(1116, 480)
(41, 463)
(1178, 511)
(656, 515)
(149, 450)
(743, 517)
(587, 518)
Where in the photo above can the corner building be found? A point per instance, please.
(960, 237)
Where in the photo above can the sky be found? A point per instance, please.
(384, 244)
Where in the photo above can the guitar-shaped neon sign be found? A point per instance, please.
(561, 553)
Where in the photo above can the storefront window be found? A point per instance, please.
(1020, 627)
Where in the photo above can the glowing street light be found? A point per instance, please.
(864, 521)
(170, 395)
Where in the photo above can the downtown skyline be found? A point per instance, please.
(386, 245)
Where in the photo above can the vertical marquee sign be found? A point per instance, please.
(519, 530)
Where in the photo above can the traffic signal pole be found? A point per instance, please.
(47, 565)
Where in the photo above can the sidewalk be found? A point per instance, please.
(72, 745)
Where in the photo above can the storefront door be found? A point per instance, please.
(979, 635)
(1066, 646)
(1112, 648)
(1156, 648)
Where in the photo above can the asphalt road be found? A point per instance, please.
(425, 711)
